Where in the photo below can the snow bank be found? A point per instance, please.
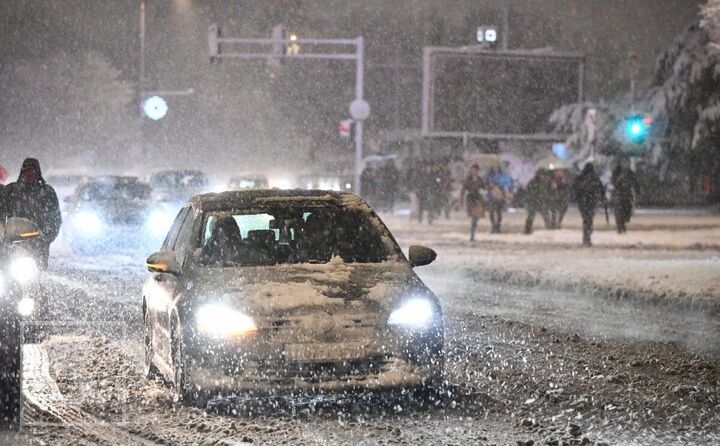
(665, 257)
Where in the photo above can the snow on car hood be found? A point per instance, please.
(296, 288)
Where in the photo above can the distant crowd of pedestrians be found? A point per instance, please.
(430, 186)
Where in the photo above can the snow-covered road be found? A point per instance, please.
(525, 363)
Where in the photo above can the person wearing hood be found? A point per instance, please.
(32, 198)
(625, 188)
(589, 193)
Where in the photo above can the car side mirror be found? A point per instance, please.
(163, 262)
(18, 229)
(421, 255)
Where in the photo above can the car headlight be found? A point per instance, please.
(88, 222)
(222, 322)
(414, 313)
(24, 269)
(26, 306)
(159, 222)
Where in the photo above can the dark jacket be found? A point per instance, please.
(35, 201)
(588, 189)
(538, 191)
(624, 182)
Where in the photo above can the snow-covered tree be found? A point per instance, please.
(76, 104)
(711, 22)
(685, 92)
(571, 120)
(684, 101)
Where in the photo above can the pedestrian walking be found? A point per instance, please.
(471, 197)
(369, 183)
(625, 188)
(589, 194)
(559, 197)
(537, 198)
(499, 185)
(388, 181)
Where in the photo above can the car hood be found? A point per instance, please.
(299, 289)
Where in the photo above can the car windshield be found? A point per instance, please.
(310, 235)
(115, 190)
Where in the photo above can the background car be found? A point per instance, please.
(114, 212)
(178, 185)
(64, 182)
(276, 291)
(243, 182)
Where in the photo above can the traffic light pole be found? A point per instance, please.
(359, 108)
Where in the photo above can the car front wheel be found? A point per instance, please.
(150, 370)
(185, 391)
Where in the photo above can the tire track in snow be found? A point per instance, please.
(43, 395)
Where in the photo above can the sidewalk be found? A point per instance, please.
(664, 256)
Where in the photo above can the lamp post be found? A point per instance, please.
(359, 111)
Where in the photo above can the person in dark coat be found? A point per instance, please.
(537, 198)
(388, 179)
(32, 198)
(471, 197)
(369, 184)
(589, 194)
(559, 198)
(625, 187)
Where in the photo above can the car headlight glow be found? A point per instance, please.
(88, 222)
(222, 322)
(26, 306)
(160, 222)
(24, 269)
(414, 313)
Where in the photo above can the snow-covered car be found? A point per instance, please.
(18, 272)
(270, 291)
(112, 212)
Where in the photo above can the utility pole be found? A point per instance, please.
(505, 29)
(634, 66)
(141, 76)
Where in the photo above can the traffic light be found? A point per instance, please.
(637, 128)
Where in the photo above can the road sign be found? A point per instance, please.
(344, 128)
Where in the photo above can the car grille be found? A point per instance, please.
(322, 328)
(316, 372)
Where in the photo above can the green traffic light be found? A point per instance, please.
(636, 129)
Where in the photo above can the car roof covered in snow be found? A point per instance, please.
(272, 197)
